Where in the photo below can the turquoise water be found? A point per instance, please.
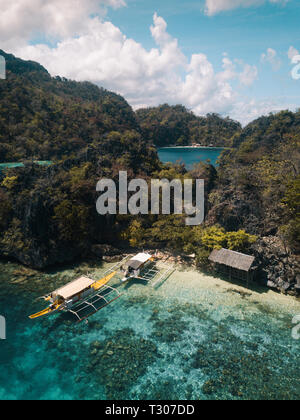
(195, 337)
(190, 156)
(20, 164)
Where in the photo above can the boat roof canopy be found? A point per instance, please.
(138, 260)
(73, 288)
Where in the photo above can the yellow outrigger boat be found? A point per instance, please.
(79, 296)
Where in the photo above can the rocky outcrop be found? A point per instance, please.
(107, 252)
(39, 256)
(233, 209)
(279, 269)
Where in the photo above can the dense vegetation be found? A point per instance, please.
(46, 118)
(175, 125)
(259, 179)
(254, 194)
(48, 215)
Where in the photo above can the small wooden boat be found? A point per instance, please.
(84, 296)
(79, 295)
(132, 269)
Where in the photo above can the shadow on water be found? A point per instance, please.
(93, 263)
(134, 282)
(60, 319)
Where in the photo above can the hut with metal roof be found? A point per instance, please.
(235, 265)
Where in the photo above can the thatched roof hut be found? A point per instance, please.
(235, 264)
(232, 259)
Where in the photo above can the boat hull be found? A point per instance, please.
(45, 312)
(68, 305)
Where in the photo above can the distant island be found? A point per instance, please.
(171, 126)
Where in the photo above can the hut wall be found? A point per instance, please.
(234, 273)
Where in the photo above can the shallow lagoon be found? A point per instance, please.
(12, 165)
(195, 337)
(189, 155)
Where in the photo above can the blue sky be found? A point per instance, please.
(242, 33)
(210, 55)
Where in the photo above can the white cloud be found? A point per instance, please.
(203, 89)
(292, 52)
(104, 55)
(249, 109)
(216, 6)
(271, 57)
(22, 20)
(85, 47)
(248, 74)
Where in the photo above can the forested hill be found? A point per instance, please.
(259, 179)
(256, 188)
(175, 125)
(48, 214)
(49, 118)
(46, 118)
(17, 66)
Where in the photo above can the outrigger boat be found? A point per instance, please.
(133, 268)
(145, 267)
(79, 296)
(84, 296)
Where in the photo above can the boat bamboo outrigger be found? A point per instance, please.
(145, 267)
(82, 297)
(133, 268)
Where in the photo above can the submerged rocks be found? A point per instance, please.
(171, 329)
(238, 369)
(120, 360)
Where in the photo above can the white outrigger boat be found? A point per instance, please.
(84, 296)
(133, 268)
(145, 267)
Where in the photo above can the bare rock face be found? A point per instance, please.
(278, 267)
(234, 210)
(38, 255)
(298, 282)
(103, 250)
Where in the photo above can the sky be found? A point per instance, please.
(238, 58)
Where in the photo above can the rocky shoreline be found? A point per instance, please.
(278, 270)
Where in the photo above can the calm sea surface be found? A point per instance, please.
(190, 156)
(194, 337)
